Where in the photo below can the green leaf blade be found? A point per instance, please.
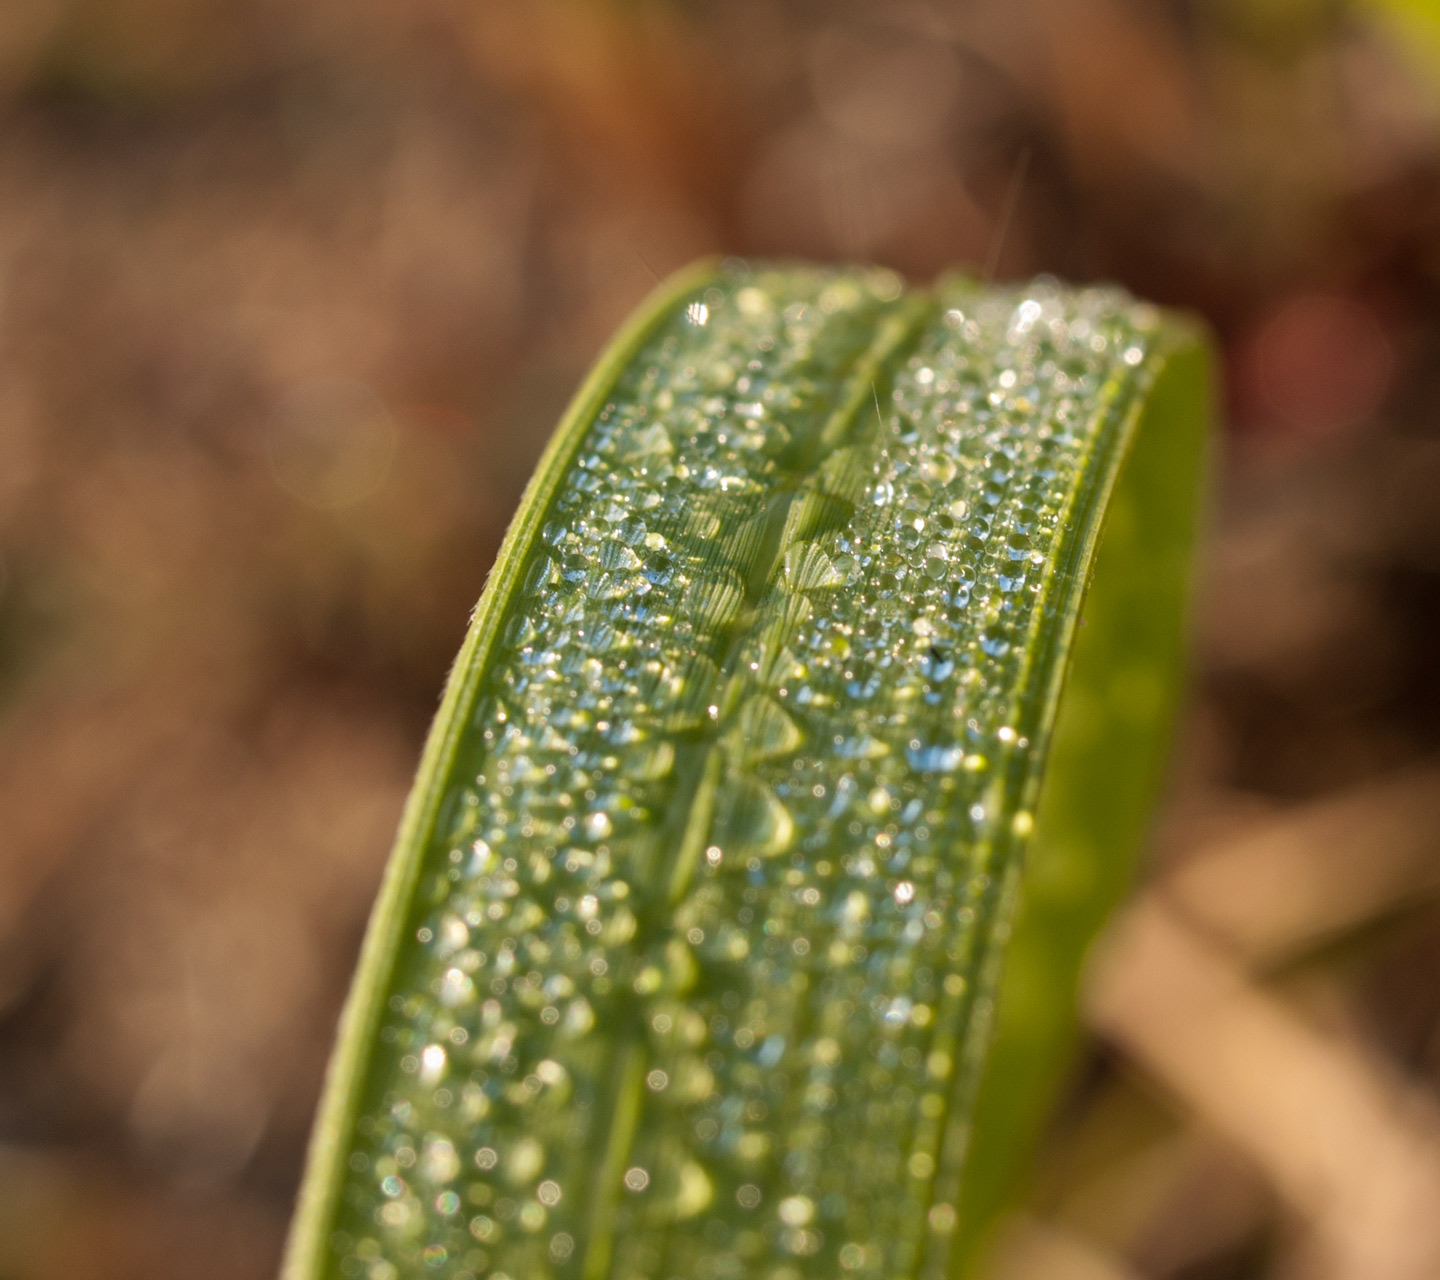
(686, 959)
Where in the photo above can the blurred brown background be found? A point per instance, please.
(291, 295)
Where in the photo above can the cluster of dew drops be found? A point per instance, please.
(618, 1042)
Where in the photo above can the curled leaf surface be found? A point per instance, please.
(688, 958)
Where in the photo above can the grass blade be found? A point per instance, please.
(686, 962)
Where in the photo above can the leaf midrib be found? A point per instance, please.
(690, 814)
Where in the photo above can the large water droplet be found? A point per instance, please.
(755, 819)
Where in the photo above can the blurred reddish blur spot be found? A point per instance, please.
(1317, 363)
